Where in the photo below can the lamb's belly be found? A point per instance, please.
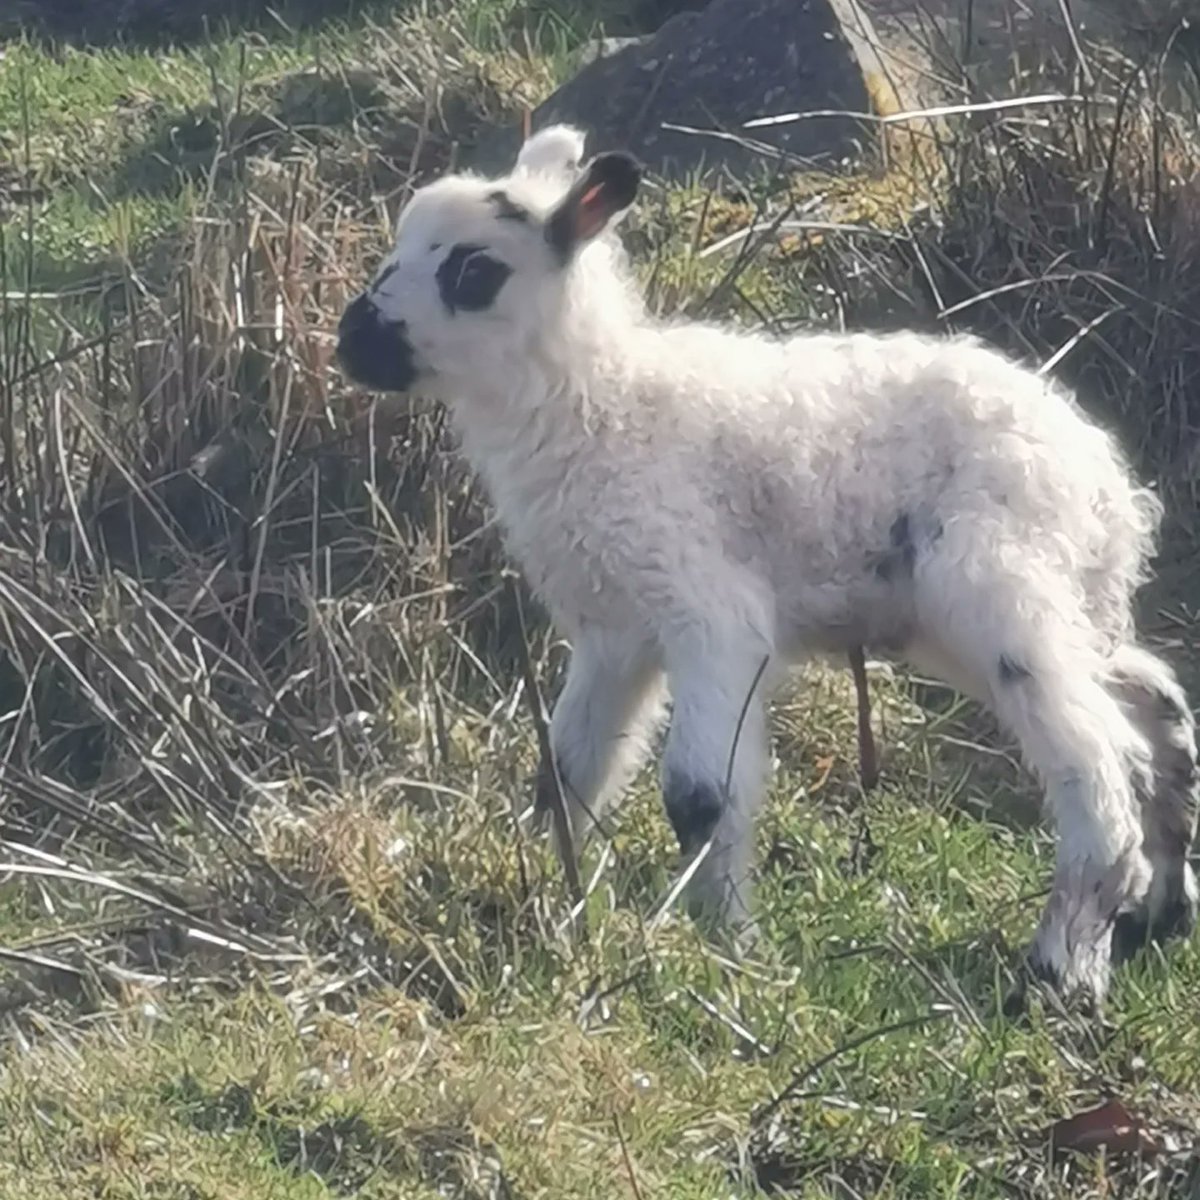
(833, 618)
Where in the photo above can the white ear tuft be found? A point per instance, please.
(555, 150)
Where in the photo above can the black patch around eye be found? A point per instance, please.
(470, 279)
(507, 209)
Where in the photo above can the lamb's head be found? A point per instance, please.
(479, 270)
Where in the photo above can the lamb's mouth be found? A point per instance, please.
(375, 352)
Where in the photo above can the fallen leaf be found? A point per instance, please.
(824, 765)
(1111, 1127)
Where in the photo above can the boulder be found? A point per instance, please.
(714, 70)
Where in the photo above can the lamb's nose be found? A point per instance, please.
(359, 312)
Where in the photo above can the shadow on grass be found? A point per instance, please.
(159, 23)
(155, 24)
(368, 137)
(304, 110)
(346, 1150)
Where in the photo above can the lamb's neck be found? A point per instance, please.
(504, 435)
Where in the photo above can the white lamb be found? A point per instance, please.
(692, 502)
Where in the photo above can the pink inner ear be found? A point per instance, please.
(589, 215)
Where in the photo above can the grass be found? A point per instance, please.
(271, 925)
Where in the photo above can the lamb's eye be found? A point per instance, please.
(470, 279)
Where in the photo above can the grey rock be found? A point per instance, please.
(604, 47)
(715, 70)
(648, 15)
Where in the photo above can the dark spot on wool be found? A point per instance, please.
(1011, 671)
(898, 559)
(1170, 708)
(507, 209)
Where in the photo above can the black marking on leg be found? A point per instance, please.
(1043, 972)
(693, 808)
(507, 209)
(1134, 931)
(1011, 671)
(1016, 1002)
(1130, 934)
(1048, 980)
(1177, 920)
(1029, 974)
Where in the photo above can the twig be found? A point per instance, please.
(819, 1064)
(633, 1183)
(868, 760)
(919, 114)
(737, 733)
(730, 1022)
(558, 807)
(1076, 44)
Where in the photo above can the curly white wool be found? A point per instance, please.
(692, 502)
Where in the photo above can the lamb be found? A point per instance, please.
(699, 507)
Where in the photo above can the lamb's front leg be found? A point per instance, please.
(714, 772)
(602, 724)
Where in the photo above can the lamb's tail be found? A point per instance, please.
(1130, 517)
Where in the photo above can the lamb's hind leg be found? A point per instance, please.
(1075, 736)
(1151, 696)
(1043, 675)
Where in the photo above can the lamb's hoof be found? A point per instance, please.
(536, 820)
(736, 942)
(743, 938)
(1016, 1001)
(1174, 916)
(1073, 992)
(725, 923)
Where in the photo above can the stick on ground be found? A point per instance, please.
(868, 761)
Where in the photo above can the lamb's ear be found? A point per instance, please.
(606, 187)
(557, 150)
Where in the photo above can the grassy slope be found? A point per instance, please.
(488, 1055)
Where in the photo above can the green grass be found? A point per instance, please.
(74, 123)
(103, 152)
(554, 1054)
(262, 946)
